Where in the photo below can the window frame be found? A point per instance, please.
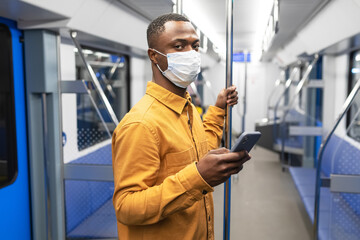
(127, 80)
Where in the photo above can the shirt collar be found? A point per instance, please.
(169, 99)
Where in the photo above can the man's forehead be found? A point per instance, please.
(173, 28)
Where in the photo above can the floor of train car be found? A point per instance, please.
(264, 203)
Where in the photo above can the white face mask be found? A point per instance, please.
(183, 67)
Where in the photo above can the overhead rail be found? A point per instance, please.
(338, 183)
(298, 130)
(94, 80)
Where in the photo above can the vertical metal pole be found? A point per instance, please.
(179, 7)
(46, 171)
(245, 92)
(229, 58)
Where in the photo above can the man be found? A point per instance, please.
(164, 172)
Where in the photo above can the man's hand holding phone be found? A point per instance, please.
(219, 164)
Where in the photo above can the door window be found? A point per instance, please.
(8, 159)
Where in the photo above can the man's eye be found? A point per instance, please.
(178, 47)
(196, 47)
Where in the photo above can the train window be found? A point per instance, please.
(112, 71)
(8, 159)
(353, 116)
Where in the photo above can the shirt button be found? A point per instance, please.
(209, 218)
(204, 192)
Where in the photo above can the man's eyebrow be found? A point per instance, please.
(184, 40)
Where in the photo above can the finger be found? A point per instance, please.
(233, 87)
(244, 160)
(232, 104)
(234, 156)
(233, 94)
(236, 170)
(230, 90)
(235, 167)
(219, 151)
(232, 100)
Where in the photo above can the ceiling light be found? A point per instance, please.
(272, 26)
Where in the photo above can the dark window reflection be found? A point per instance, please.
(8, 161)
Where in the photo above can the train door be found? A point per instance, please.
(14, 180)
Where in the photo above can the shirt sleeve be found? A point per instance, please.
(213, 124)
(136, 162)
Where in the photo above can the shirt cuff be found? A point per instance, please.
(192, 181)
(215, 114)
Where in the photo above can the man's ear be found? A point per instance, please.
(152, 55)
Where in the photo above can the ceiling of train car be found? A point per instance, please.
(150, 9)
(22, 11)
(250, 19)
(294, 15)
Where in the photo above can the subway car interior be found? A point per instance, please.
(70, 70)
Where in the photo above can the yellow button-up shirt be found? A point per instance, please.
(159, 193)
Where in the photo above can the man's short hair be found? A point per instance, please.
(157, 26)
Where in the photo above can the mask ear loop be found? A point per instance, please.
(160, 69)
(158, 52)
(158, 64)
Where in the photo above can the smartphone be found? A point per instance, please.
(246, 141)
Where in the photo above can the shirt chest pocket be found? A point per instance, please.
(203, 149)
(178, 160)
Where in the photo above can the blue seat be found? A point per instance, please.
(339, 212)
(88, 204)
(100, 156)
(100, 224)
(293, 118)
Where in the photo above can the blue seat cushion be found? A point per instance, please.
(88, 203)
(100, 224)
(339, 216)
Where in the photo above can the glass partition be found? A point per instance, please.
(87, 131)
(354, 130)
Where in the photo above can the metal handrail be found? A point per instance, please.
(81, 87)
(96, 108)
(278, 82)
(301, 84)
(299, 87)
(349, 100)
(287, 85)
(95, 80)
